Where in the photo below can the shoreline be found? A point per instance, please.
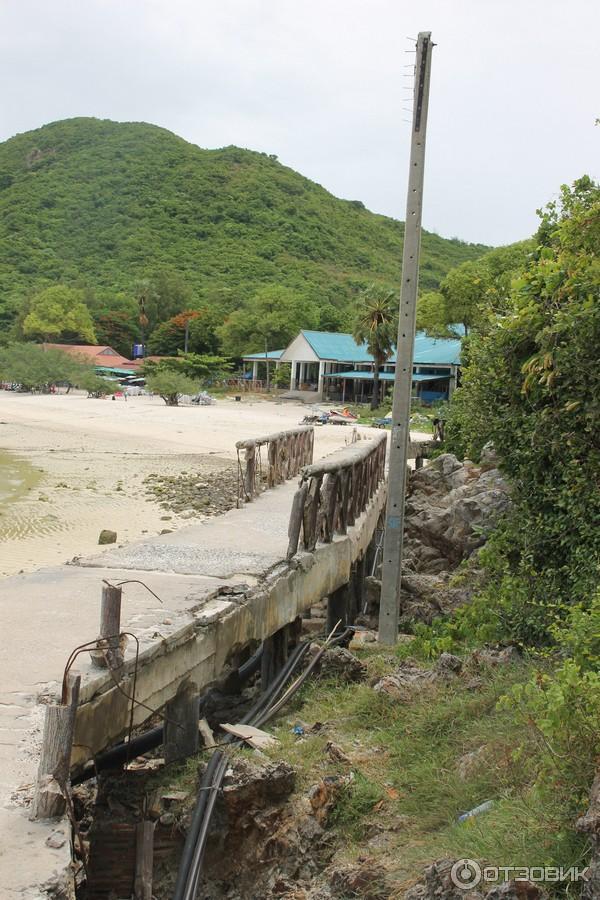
(92, 457)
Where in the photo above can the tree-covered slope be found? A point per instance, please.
(101, 205)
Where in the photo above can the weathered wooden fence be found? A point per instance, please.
(334, 492)
(286, 453)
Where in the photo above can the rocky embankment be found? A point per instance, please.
(451, 508)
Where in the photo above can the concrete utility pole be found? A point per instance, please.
(394, 518)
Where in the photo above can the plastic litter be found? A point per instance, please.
(482, 808)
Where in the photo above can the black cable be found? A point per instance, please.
(188, 876)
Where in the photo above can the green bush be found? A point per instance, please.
(531, 385)
(170, 385)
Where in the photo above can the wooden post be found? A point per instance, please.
(55, 759)
(296, 519)
(275, 653)
(311, 512)
(359, 583)
(108, 649)
(250, 473)
(144, 860)
(337, 609)
(181, 723)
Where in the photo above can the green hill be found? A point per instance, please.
(100, 205)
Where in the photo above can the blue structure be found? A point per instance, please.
(328, 364)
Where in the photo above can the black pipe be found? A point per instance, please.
(193, 851)
(125, 751)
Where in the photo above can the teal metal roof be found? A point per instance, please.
(436, 351)
(116, 371)
(272, 354)
(343, 348)
(337, 347)
(383, 376)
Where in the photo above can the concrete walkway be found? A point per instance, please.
(47, 613)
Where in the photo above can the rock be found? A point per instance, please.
(517, 890)
(487, 656)
(471, 762)
(448, 664)
(590, 824)
(488, 458)
(167, 819)
(361, 639)
(56, 840)
(373, 593)
(337, 662)
(450, 509)
(368, 880)
(324, 795)
(403, 684)
(107, 537)
(437, 884)
(335, 753)
(266, 840)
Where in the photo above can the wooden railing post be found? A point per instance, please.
(335, 492)
(54, 769)
(250, 473)
(108, 652)
(296, 519)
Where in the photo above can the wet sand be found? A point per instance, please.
(70, 467)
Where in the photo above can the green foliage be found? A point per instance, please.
(532, 386)
(281, 376)
(170, 384)
(35, 368)
(563, 709)
(355, 804)
(58, 312)
(472, 292)
(376, 324)
(95, 385)
(116, 207)
(116, 329)
(200, 368)
(169, 337)
(274, 316)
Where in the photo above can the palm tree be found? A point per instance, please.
(375, 325)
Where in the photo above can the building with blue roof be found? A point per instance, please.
(335, 366)
(330, 365)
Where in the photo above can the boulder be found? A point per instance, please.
(107, 537)
(450, 509)
(337, 662)
(408, 680)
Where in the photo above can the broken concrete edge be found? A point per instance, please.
(200, 649)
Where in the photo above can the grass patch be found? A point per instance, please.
(419, 765)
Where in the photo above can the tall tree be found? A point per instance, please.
(272, 317)
(59, 312)
(375, 325)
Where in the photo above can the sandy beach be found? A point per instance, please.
(71, 466)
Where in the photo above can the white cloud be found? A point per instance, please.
(512, 107)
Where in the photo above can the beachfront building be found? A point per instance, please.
(106, 360)
(325, 365)
(268, 359)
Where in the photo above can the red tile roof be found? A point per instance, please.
(100, 355)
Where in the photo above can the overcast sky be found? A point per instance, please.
(514, 90)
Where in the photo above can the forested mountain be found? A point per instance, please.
(103, 206)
